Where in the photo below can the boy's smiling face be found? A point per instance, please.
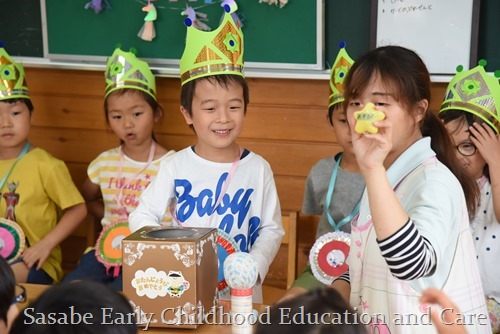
(217, 116)
(15, 124)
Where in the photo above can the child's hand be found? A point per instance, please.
(487, 143)
(445, 320)
(37, 254)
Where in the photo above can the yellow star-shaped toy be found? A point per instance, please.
(365, 118)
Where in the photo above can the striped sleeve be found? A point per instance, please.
(408, 254)
(344, 277)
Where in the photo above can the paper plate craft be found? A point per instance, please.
(12, 240)
(226, 247)
(328, 256)
(109, 246)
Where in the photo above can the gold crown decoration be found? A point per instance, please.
(341, 66)
(12, 78)
(125, 70)
(476, 92)
(215, 52)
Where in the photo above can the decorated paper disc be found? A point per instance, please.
(12, 240)
(109, 244)
(226, 247)
(328, 256)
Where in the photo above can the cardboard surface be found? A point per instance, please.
(170, 275)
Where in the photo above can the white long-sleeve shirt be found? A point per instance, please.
(249, 211)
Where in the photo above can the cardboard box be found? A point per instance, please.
(170, 275)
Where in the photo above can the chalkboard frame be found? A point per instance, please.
(473, 43)
(311, 65)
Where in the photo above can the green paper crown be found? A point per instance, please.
(338, 74)
(125, 70)
(476, 92)
(215, 52)
(12, 79)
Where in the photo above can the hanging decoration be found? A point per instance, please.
(196, 19)
(97, 5)
(147, 31)
(228, 6)
(281, 3)
(193, 13)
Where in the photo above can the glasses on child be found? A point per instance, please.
(466, 148)
(20, 294)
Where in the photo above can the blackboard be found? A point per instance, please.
(489, 29)
(442, 32)
(21, 27)
(347, 21)
(272, 35)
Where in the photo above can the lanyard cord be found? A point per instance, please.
(230, 175)
(328, 200)
(119, 196)
(23, 152)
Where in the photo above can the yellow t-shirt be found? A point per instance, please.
(37, 188)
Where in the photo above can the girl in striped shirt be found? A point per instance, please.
(117, 177)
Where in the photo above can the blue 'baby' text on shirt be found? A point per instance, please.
(229, 208)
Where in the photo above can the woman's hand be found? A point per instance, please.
(371, 149)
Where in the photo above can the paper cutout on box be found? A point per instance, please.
(150, 283)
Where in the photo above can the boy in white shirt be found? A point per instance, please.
(216, 183)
